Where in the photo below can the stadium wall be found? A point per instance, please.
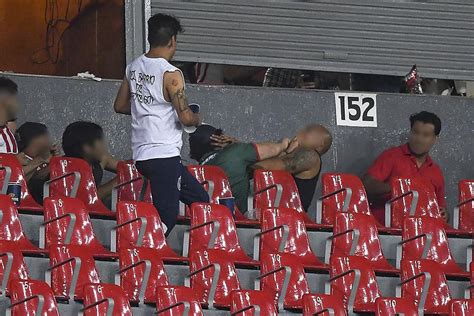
(256, 114)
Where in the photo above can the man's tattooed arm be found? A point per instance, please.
(175, 88)
(300, 160)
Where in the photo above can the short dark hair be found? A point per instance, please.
(8, 86)
(427, 118)
(200, 141)
(161, 28)
(27, 132)
(78, 134)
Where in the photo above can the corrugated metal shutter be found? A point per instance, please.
(345, 36)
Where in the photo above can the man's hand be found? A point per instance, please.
(292, 145)
(23, 159)
(444, 213)
(55, 149)
(222, 141)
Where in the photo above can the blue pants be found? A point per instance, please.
(170, 183)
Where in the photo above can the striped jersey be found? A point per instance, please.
(7, 141)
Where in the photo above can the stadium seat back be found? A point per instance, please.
(171, 295)
(246, 298)
(62, 276)
(87, 190)
(462, 307)
(24, 289)
(132, 279)
(427, 203)
(201, 282)
(17, 176)
(368, 290)
(395, 306)
(126, 171)
(316, 303)
(466, 211)
(18, 269)
(94, 293)
(82, 231)
(332, 182)
(298, 284)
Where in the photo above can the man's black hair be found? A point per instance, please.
(161, 28)
(27, 132)
(427, 118)
(8, 86)
(78, 134)
(200, 141)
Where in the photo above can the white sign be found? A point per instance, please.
(356, 109)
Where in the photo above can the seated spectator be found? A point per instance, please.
(8, 113)
(301, 157)
(410, 160)
(85, 140)
(36, 149)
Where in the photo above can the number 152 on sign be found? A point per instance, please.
(356, 109)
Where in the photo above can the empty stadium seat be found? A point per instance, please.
(425, 238)
(213, 227)
(251, 302)
(15, 175)
(463, 218)
(357, 234)
(12, 268)
(212, 277)
(395, 306)
(176, 300)
(130, 185)
(66, 221)
(323, 304)
(70, 269)
(284, 230)
(32, 297)
(105, 299)
(462, 307)
(11, 230)
(139, 225)
(141, 273)
(72, 177)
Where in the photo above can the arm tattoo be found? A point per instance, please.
(181, 100)
(300, 160)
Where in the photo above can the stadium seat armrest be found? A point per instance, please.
(110, 306)
(75, 275)
(215, 279)
(354, 289)
(6, 272)
(426, 247)
(424, 291)
(75, 185)
(279, 193)
(6, 178)
(456, 211)
(141, 233)
(186, 308)
(70, 229)
(470, 249)
(210, 188)
(146, 277)
(467, 291)
(388, 205)
(355, 242)
(115, 191)
(255, 307)
(212, 239)
(281, 247)
(345, 206)
(284, 287)
(328, 310)
(39, 307)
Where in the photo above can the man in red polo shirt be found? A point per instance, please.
(410, 160)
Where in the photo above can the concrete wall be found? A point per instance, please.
(256, 114)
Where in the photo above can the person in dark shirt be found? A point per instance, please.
(86, 140)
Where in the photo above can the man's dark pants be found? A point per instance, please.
(170, 183)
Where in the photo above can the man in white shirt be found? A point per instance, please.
(153, 92)
(8, 113)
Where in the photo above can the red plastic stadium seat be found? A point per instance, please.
(356, 234)
(248, 302)
(173, 300)
(99, 298)
(141, 273)
(27, 295)
(279, 270)
(463, 213)
(323, 304)
(63, 215)
(217, 185)
(425, 238)
(213, 227)
(277, 189)
(350, 274)
(11, 230)
(283, 230)
(462, 307)
(139, 225)
(27, 202)
(17, 270)
(395, 306)
(213, 277)
(130, 184)
(72, 177)
(70, 269)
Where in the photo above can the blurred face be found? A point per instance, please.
(40, 145)
(96, 151)
(422, 138)
(311, 137)
(10, 104)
